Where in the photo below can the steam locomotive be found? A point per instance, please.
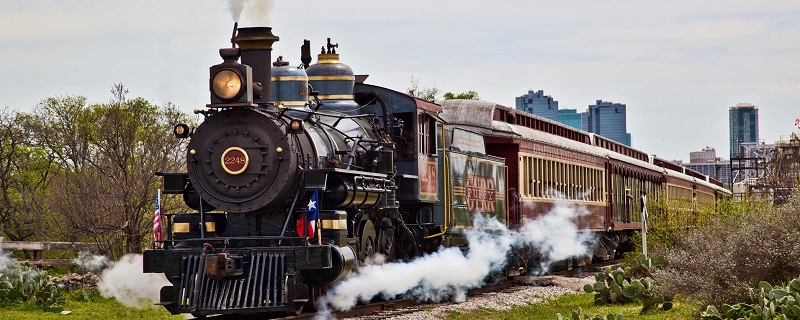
(297, 175)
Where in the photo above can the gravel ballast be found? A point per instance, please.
(504, 300)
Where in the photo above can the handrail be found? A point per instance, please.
(445, 180)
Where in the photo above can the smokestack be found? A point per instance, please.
(256, 45)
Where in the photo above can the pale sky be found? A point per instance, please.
(678, 65)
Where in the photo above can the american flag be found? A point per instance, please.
(309, 220)
(158, 234)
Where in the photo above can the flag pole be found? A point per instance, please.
(317, 223)
(644, 224)
(160, 220)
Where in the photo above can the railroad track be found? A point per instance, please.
(399, 307)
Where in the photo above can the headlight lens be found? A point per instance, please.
(227, 84)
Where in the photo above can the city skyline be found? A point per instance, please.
(678, 66)
(604, 118)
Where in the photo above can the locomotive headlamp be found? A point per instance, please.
(181, 131)
(231, 83)
(296, 125)
(227, 84)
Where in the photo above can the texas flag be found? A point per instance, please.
(309, 220)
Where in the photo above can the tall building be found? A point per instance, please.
(746, 162)
(707, 163)
(707, 155)
(743, 127)
(607, 119)
(539, 104)
(570, 117)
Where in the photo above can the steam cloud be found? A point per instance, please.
(450, 272)
(90, 262)
(556, 236)
(258, 11)
(122, 280)
(126, 282)
(5, 259)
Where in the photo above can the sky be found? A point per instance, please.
(677, 65)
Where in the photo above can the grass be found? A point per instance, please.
(98, 308)
(566, 303)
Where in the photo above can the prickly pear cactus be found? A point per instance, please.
(580, 315)
(24, 283)
(610, 287)
(615, 287)
(767, 303)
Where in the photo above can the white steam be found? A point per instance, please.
(5, 259)
(126, 282)
(556, 236)
(449, 273)
(90, 262)
(257, 13)
(430, 277)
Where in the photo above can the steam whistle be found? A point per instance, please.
(233, 34)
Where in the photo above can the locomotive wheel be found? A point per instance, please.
(405, 247)
(317, 293)
(367, 239)
(386, 242)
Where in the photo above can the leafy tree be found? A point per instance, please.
(428, 94)
(466, 95)
(107, 155)
(24, 175)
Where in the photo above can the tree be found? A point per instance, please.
(427, 94)
(107, 155)
(466, 95)
(24, 176)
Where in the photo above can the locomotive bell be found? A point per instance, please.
(333, 80)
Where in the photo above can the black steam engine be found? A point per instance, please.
(279, 144)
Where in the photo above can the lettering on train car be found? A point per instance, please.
(480, 194)
(468, 141)
(427, 179)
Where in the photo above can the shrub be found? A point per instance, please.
(718, 262)
(765, 303)
(26, 284)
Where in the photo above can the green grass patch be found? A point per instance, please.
(96, 308)
(565, 304)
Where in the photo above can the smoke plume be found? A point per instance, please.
(257, 13)
(449, 272)
(125, 282)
